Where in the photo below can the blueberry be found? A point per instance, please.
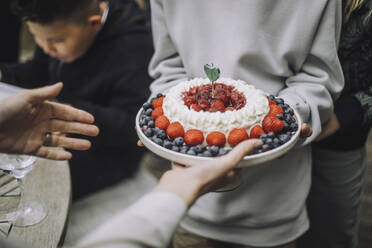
(151, 124)
(214, 150)
(158, 141)
(280, 116)
(271, 97)
(265, 148)
(193, 148)
(286, 126)
(142, 122)
(185, 147)
(152, 99)
(279, 100)
(293, 127)
(148, 112)
(200, 148)
(191, 152)
(149, 132)
(286, 106)
(264, 136)
(284, 138)
(167, 144)
(162, 134)
(281, 105)
(184, 144)
(144, 128)
(276, 141)
(207, 153)
(288, 118)
(175, 148)
(178, 141)
(159, 95)
(269, 141)
(184, 151)
(259, 151)
(147, 105)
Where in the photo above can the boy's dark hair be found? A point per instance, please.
(46, 11)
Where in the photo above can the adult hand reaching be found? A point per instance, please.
(205, 176)
(28, 122)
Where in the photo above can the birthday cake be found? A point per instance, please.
(199, 118)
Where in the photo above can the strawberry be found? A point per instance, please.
(272, 124)
(158, 102)
(204, 104)
(229, 108)
(216, 139)
(218, 104)
(275, 109)
(194, 137)
(221, 95)
(271, 102)
(236, 136)
(175, 129)
(256, 132)
(162, 122)
(196, 107)
(157, 112)
(188, 100)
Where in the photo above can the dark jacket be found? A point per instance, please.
(111, 82)
(354, 108)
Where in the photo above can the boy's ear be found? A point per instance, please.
(95, 22)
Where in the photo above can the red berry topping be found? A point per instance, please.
(216, 139)
(189, 100)
(204, 104)
(194, 137)
(157, 112)
(236, 136)
(196, 107)
(158, 102)
(256, 132)
(175, 129)
(272, 124)
(162, 122)
(218, 104)
(275, 109)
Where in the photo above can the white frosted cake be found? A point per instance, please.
(254, 110)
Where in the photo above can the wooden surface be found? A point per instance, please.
(49, 182)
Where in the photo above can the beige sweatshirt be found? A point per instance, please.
(284, 47)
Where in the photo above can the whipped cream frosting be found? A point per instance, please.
(254, 111)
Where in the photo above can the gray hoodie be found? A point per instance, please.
(284, 47)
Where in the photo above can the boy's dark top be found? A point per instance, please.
(354, 108)
(111, 82)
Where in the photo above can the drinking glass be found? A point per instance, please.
(28, 213)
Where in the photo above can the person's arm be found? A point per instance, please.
(30, 74)
(166, 65)
(152, 220)
(312, 90)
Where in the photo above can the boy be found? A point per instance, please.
(100, 51)
(284, 47)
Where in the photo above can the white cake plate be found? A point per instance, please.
(248, 160)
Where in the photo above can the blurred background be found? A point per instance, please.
(107, 202)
